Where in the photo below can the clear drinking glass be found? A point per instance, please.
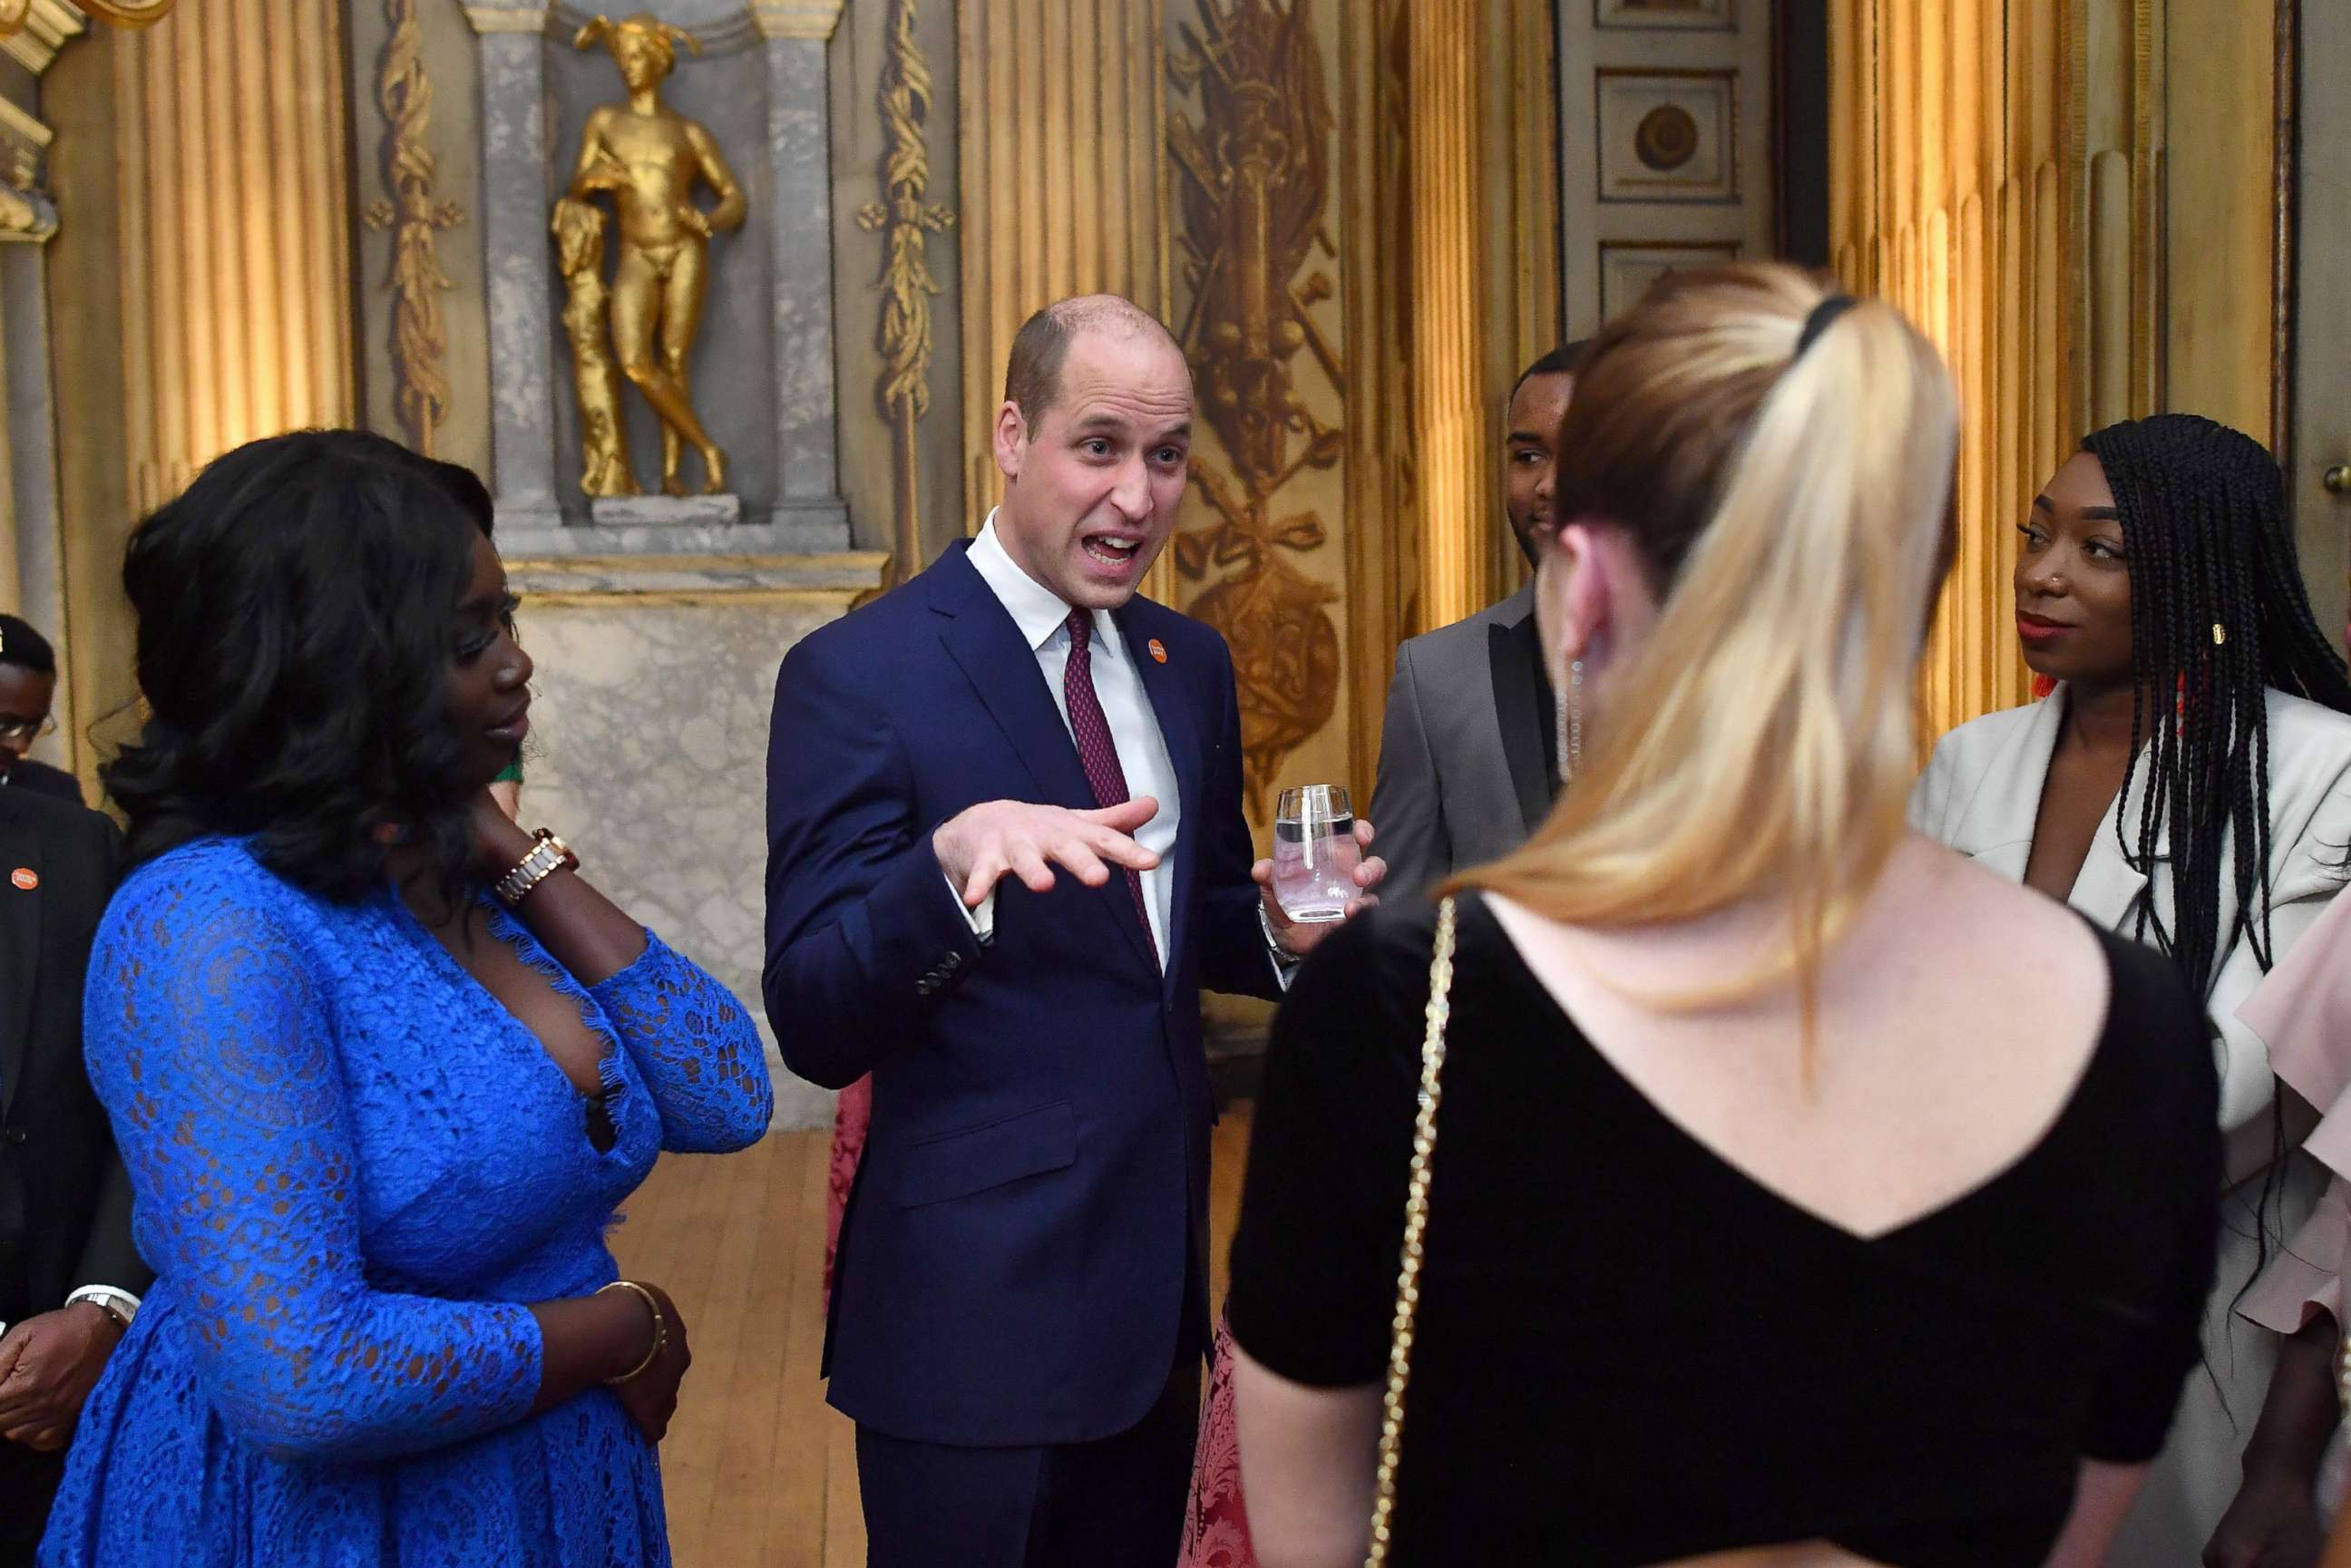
(1314, 853)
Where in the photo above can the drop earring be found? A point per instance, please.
(1569, 718)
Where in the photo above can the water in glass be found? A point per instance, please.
(1314, 853)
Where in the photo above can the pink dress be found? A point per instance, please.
(2302, 1010)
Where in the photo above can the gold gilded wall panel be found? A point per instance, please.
(2220, 210)
(1255, 169)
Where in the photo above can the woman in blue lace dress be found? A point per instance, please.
(380, 1064)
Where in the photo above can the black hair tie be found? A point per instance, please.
(1822, 316)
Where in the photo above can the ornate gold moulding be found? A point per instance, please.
(64, 20)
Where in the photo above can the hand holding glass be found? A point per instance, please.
(1315, 854)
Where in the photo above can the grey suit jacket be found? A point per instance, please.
(1463, 778)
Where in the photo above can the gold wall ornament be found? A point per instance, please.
(25, 215)
(648, 157)
(16, 15)
(1257, 179)
(905, 221)
(419, 336)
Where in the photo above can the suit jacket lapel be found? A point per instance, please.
(20, 954)
(1996, 829)
(1518, 709)
(1159, 684)
(2109, 888)
(983, 641)
(980, 635)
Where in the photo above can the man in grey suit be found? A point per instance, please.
(1469, 753)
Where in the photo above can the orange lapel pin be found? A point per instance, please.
(1158, 650)
(24, 877)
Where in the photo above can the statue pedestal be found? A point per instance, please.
(674, 526)
(664, 511)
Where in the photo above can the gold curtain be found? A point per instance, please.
(1952, 178)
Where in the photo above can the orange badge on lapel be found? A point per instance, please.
(1158, 650)
(24, 877)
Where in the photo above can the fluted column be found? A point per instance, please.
(237, 265)
(515, 205)
(1956, 180)
(1450, 439)
(1064, 115)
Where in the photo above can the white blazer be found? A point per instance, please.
(1982, 794)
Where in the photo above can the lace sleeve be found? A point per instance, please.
(209, 1040)
(695, 1047)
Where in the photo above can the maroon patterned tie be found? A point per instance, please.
(1096, 752)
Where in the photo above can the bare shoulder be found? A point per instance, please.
(1970, 922)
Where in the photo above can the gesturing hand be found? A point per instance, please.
(977, 846)
(651, 1396)
(48, 1364)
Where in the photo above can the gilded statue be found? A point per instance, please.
(649, 158)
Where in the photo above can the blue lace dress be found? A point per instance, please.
(353, 1167)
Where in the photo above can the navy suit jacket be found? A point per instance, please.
(1033, 1197)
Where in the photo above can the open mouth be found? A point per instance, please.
(1114, 551)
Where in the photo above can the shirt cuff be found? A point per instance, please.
(982, 920)
(1285, 967)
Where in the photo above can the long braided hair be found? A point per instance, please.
(2219, 615)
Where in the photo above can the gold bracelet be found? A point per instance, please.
(661, 1330)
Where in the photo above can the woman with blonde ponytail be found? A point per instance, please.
(1780, 1189)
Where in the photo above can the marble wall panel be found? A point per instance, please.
(649, 753)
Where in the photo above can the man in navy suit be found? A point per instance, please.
(1006, 849)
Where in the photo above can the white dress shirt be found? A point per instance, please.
(1043, 621)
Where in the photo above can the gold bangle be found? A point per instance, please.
(661, 1330)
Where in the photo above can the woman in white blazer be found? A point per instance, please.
(2187, 782)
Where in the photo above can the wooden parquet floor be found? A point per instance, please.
(757, 1469)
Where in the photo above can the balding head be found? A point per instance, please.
(1032, 374)
(1093, 439)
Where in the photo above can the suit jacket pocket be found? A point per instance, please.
(956, 1164)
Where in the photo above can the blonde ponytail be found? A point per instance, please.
(1793, 509)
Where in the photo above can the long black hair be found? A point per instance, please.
(2219, 616)
(294, 610)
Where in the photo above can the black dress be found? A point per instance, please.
(1628, 1350)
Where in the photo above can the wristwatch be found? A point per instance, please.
(546, 857)
(119, 1305)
